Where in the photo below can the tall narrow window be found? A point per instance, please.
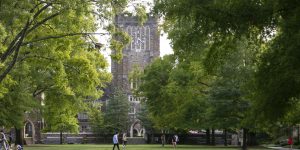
(28, 129)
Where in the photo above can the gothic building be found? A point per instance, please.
(143, 48)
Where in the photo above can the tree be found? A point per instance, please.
(96, 118)
(54, 19)
(145, 117)
(48, 47)
(187, 89)
(216, 25)
(116, 114)
(154, 80)
(47, 44)
(271, 24)
(175, 93)
(228, 96)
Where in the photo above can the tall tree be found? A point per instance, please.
(218, 23)
(96, 118)
(154, 81)
(48, 47)
(144, 116)
(116, 114)
(229, 97)
(175, 90)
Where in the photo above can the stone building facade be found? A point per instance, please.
(143, 49)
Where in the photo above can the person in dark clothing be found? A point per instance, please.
(163, 140)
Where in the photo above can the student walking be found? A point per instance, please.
(124, 139)
(163, 140)
(115, 141)
(290, 142)
(174, 142)
(3, 141)
(176, 138)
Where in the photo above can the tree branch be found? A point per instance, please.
(204, 84)
(51, 59)
(17, 49)
(43, 21)
(39, 91)
(58, 36)
(36, 6)
(11, 48)
(36, 56)
(41, 10)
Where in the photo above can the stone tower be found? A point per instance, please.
(143, 48)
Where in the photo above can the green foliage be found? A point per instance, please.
(96, 118)
(118, 43)
(116, 114)
(134, 78)
(155, 79)
(11, 111)
(175, 93)
(144, 116)
(213, 28)
(47, 47)
(141, 14)
(229, 94)
(60, 115)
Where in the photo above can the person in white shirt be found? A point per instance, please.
(3, 141)
(124, 138)
(175, 139)
(116, 141)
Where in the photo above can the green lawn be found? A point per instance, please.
(129, 147)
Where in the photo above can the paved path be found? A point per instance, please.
(281, 148)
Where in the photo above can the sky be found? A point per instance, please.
(165, 47)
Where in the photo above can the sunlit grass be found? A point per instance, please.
(130, 147)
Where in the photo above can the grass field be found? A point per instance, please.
(130, 147)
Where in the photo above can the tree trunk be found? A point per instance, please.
(225, 137)
(19, 137)
(61, 137)
(252, 139)
(207, 136)
(213, 139)
(245, 132)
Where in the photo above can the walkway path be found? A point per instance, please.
(281, 148)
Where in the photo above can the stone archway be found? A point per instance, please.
(136, 130)
(143, 132)
(29, 132)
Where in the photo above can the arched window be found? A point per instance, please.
(28, 129)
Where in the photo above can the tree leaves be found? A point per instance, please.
(213, 29)
(116, 114)
(49, 50)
